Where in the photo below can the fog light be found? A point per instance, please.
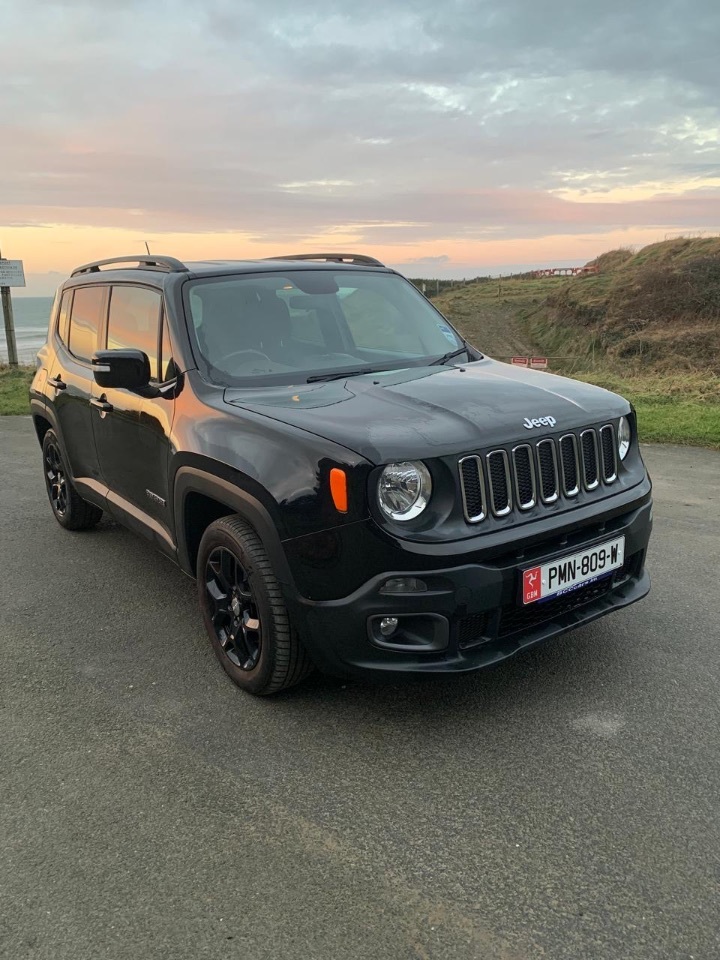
(388, 626)
(403, 585)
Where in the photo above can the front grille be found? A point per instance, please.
(570, 470)
(499, 482)
(547, 458)
(588, 441)
(473, 489)
(537, 474)
(524, 472)
(607, 444)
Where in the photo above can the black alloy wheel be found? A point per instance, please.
(55, 479)
(234, 610)
(244, 610)
(68, 507)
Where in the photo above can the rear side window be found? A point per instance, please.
(134, 322)
(64, 316)
(85, 321)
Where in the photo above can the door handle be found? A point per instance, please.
(102, 405)
(57, 384)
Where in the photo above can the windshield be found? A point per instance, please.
(286, 327)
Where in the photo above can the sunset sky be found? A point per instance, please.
(448, 139)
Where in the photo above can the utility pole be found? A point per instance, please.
(9, 323)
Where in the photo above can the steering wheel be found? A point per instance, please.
(255, 353)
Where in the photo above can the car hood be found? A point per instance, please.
(423, 412)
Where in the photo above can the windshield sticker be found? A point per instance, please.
(447, 333)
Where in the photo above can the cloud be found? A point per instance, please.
(396, 123)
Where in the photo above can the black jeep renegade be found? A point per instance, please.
(352, 484)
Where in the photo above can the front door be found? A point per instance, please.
(69, 386)
(132, 432)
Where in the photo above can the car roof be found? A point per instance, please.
(156, 269)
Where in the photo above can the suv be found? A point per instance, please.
(351, 483)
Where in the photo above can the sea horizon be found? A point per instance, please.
(31, 316)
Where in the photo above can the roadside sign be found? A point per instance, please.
(12, 273)
(521, 361)
(538, 363)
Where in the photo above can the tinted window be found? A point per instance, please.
(85, 321)
(167, 367)
(64, 316)
(305, 325)
(282, 327)
(134, 322)
(376, 323)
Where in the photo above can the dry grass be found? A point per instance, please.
(647, 326)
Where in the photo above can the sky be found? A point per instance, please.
(447, 139)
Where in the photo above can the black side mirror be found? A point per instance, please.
(129, 369)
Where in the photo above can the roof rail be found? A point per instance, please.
(167, 264)
(352, 258)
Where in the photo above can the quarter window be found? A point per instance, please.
(134, 322)
(167, 366)
(85, 321)
(64, 316)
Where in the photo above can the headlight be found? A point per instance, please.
(623, 438)
(404, 489)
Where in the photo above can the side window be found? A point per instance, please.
(64, 316)
(85, 320)
(134, 322)
(167, 366)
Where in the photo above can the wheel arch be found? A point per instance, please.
(43, 420)
(200, 498)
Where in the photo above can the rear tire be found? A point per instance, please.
(68, 507)
(244, 612)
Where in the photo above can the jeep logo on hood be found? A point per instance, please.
(539, 422)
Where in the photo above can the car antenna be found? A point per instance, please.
(147, 248)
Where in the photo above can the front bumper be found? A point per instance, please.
(471, 613)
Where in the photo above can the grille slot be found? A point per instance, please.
(588, 443)
(547, 463)
(524, 476)
(570, 466)
(473, 489)
(608, 447)
(471, 629)
(499, 482)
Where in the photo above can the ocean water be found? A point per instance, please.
(32, 315)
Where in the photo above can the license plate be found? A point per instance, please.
(569, 573)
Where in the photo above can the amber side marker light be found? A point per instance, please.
(338, 489)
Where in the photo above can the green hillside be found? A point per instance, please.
(647, 325)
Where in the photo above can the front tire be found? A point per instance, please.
(68, 507)
(244, 612)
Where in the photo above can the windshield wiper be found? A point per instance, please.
(449, 356)
(339, 374)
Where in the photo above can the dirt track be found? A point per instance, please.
(492, 328)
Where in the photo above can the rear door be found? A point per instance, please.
(70, 383)
(132, 432)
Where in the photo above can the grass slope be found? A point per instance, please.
(14, 384)
(646, 326)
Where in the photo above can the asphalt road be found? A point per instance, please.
(563, 805)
